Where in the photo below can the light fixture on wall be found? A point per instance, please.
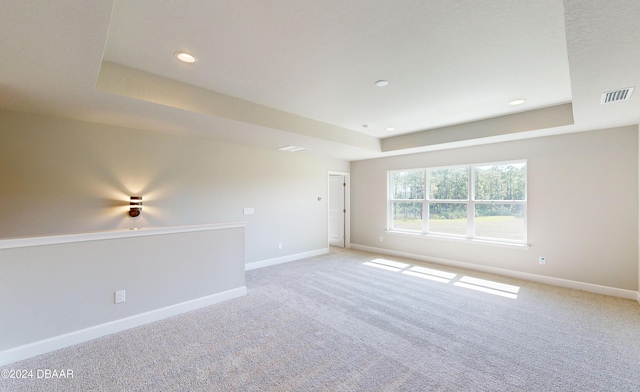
(135, 206)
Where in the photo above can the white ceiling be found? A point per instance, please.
(290, 72)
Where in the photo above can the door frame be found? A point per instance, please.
(347, 206)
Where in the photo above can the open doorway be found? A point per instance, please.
(339, 209)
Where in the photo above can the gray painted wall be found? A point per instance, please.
(64, 176)
(51, 290)
(582, 206)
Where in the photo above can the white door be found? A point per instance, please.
(337, 210)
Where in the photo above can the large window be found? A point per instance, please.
(483, 201)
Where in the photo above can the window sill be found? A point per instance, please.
(496, 243)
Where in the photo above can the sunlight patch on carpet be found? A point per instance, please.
(467, 282)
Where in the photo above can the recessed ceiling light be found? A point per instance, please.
(381, 83)
(185, 57)
(517, 102)
(390, 129)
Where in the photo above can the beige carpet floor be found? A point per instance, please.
(355, 321)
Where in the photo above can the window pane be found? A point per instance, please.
(408, 184)
(449, 218)
(504, 221)
(407, 215)
(500, 182)
(449, 184)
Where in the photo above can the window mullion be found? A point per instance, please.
(471, 213)
(390, 198)
(425, 203)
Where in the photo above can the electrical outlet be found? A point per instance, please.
(119, 296)
(279, 245)
(542, 260)
(249, 211)
(381, 239)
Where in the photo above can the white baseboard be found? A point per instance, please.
(572, 284)
(638, 296)
(57, 342)
(285, 259)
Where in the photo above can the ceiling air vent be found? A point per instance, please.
(618, 95)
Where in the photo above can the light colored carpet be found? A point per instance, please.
(340, 322)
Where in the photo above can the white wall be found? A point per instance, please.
(582, 207)
(63, 176)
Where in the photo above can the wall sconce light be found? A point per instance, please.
(135, 206)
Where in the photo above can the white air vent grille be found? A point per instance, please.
(618, 95)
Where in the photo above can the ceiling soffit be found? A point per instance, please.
(446, 62)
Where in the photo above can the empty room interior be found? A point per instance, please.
(319, 195)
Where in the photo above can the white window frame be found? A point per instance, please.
(470, 203)
(390, 201)
(430, 200)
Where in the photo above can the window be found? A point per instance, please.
(407, 194)
(483, 201)
(448, 195)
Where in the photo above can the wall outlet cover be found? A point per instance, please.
(119, 296)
